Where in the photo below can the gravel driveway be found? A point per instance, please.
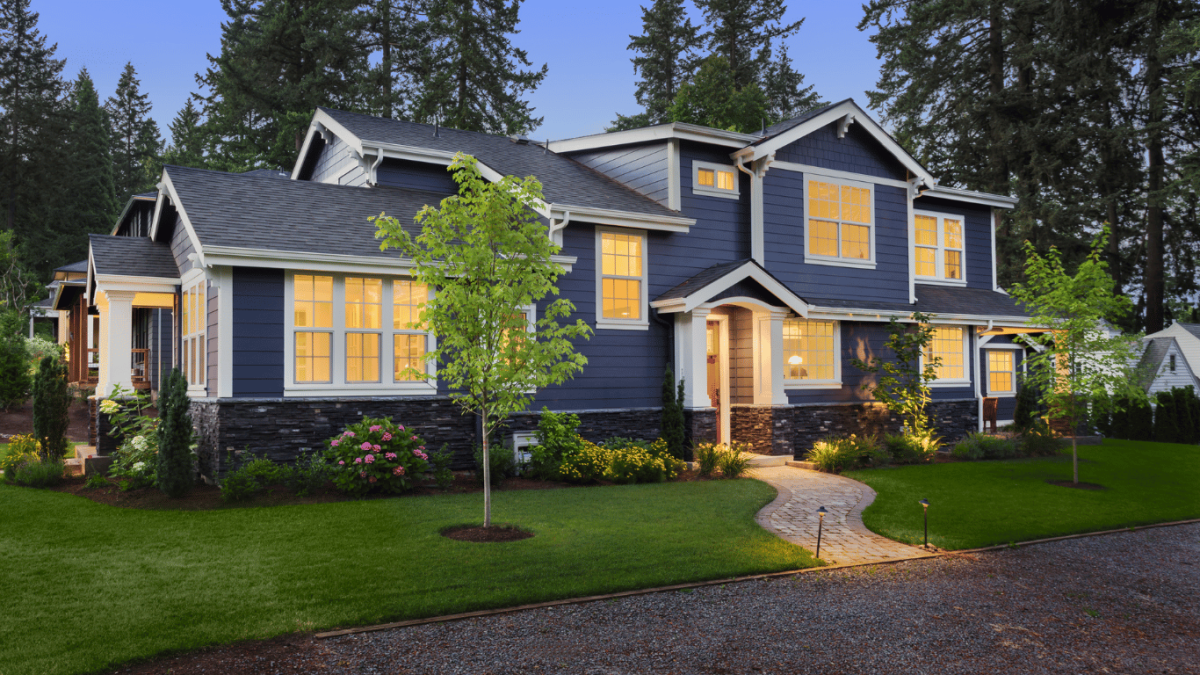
(1124, 603)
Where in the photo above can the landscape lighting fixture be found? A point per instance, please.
(820, 524)
(925, 508)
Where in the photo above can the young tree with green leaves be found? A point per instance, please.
(489, 260)
(1084, 367)
(137, 145)
(665, 58)
(51, 401)
(904, 387)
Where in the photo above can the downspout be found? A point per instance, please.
(979, 373)
(562, 224)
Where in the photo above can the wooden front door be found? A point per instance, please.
(713, 330)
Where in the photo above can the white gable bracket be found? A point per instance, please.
(844, 125)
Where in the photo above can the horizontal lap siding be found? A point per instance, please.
(978, 236)
(181, 246)
(641, 167)
(416, 176)
(784, 243)
(857, 152)
(338, 165)
(258, 320)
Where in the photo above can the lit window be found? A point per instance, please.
(715, 180)
(622, 276)
(364, 310)
(313, 308)
(809, 350)
(938, 246)
(1000, 372)
(194, 323)
(949, 345)
(408, 338)
(839, 220)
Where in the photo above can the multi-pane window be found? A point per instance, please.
(312, 308)
(622, 272)
(715, 179)
(938, 246)
(408, 337)
(949, 345)
(364, 312)
(194, 322)
(1001, 378)
(809, 350)
(839, 220)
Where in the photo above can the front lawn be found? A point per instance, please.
(87, 586)
(975, 504)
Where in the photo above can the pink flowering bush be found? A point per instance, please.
(373, 455)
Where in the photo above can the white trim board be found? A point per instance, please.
(749, 270)
(672, 131)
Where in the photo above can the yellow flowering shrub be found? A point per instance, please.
(21, 449)
(585, 464)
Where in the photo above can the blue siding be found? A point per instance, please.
(978, 235)
(857, 152)
(258, 318)
(641, 167)
(783, 236)
(1006, 406)
(416, 176)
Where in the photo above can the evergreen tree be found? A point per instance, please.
(787, 96)
(137, 146)
(672, 416)
(33, 122)
(665, 59)
(742, 31)
(1166, 429)
(474, 78)
(1141, 421)
(14, 359)
(51, 400)
(1025, 408)
(279, 60)
(713, 99)
(187, 139)
(91, 205)
(174, 475)
(398, 32)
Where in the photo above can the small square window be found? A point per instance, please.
(714, 180)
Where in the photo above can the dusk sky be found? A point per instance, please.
(584, 43)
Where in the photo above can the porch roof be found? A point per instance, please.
(713, 282)
(940, 300)
(131, 257)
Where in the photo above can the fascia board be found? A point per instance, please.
(885, 315)
(747, 271)
(828, 117)
(622, 218)
(123, 282)
(971, 197)
(323, 262)
(169, 188)
(124, 212)
(326, 120)
(661, 132)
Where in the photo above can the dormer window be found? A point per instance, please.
(715, 180)
(938, 247)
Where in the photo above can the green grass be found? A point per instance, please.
(975, 504)
(87, 586)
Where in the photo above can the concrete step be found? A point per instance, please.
(74, 466)
(802, 465)
(769, 460)
(84, 451)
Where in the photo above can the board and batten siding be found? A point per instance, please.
(856, 152)
(641, 167)
(784, 244)
(338, 165)
(977, 236)
(258, 333)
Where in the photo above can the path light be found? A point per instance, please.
(925, 507)
(820, 524)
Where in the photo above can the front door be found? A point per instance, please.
(717, 398)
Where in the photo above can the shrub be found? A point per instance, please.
(1166, 427)
(250, 479)
(640, 462)
(22, 449)
(376, 454)
(96, 481)
(1025, 412)
(968, 448)
(833, 455)
(672, 415)
(502, 459)
(912, 448)
(556, 437)
(1102, 416)
(51, 399)
(733, 460)
(1140, 419)
(308, 475)
(708, 458)
(588, 464)
(982, 446)
(38, 473)
(136, 461)
(1041, 441)
(38, 348)
(14, 360)
(174, 474)
(441, 461)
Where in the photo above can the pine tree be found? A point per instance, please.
(51, 401)
(743, 31)
(665, 59)
(475, 79)
(137, 146)
(672, 416)
(174, 475)
(91, 203)
(279, 60)
(787, 96)
(187, 139)
(713, 99)
(398, 32)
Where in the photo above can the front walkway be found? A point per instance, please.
(845, 540)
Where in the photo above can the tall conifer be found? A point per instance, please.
(665, 59)
(91, 202)
(137, 145)
(744, 31)
(187, 138)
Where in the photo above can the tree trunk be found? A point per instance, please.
(487, 473)
(1154, 168)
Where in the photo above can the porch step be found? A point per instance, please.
(802, 465)
(74, 466)
(84, 451)
(769, 460)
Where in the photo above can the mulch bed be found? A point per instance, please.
(20, 421)
(479, 533)
(1079, 486)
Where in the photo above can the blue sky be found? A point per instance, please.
(584, 43)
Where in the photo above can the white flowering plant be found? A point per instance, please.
(136, 460)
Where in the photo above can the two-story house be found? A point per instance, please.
(758, 266)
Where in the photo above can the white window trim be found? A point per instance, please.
(988, 370)
(836, 382)
(622, 324)
(955, 382)
(939, 261)
(195, 277)
(338, 386)
(715, 191)
(814, 259)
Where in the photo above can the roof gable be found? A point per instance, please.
(712, 284)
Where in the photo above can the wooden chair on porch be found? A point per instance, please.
(990, 406)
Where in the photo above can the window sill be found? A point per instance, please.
(939, 282)
(999, 395)
(808, 384)
(714, 192)
(617, 324)
(950, 383)
(839, 262)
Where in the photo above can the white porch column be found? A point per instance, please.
(768, 357)
(691, 357)
(116, 341)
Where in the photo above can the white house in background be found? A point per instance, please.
(1173, 356)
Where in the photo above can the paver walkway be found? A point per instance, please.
(844, 540)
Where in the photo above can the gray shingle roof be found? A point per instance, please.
(780, 127)
(940, 300)
(564, 181)
(235, 210)
(1193, 328)
(132, 256)
(702, 279)
(267, 173)
(80, 266)
(1152, 359)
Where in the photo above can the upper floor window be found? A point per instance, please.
(950, 346)
(621, 279)
(840, 222)
(714, 179)
(1001, 373)
(810, 351)
(938, 246)
(194, 322)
